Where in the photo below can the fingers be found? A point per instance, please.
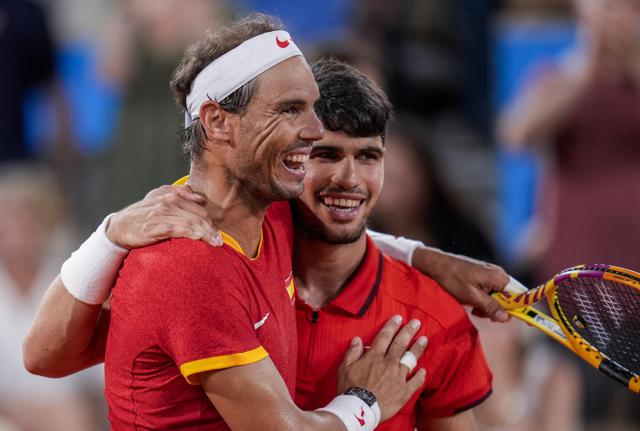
(416, 381)
(497, 317)
(184, 225)
(354, 352)
(402, 339)
(409, 359)
(384, 337)
(494, 278)
(186, 192)
(484, 304)
(179, 212)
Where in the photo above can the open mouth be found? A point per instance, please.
(345, 205)
(295, 162)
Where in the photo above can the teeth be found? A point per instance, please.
(344, 203)
(297, 158)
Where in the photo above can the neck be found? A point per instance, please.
(230, 207)
(322, 269)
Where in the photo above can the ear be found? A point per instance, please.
(215, 121)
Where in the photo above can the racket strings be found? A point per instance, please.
(606, 314)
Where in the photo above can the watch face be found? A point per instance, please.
(363, 394)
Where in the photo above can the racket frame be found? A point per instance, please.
(517, 300)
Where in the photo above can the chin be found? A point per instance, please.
(340, 235)
(285, 192)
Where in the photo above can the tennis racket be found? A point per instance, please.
(596, 315)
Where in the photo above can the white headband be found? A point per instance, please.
(237, 67)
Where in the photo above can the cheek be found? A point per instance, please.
(375, 181)
(262, 136)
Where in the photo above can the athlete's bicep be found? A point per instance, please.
(256, 394)
(464, 421)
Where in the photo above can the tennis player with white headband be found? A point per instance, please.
(237, 67)
(205, 337)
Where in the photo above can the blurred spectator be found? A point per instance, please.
(585, 113)
(415, 201)
(535, 385)
(142, 47)
(435, 55)
(33, 245)
(588, 112)
(27, 63)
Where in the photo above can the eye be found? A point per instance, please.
(369, 156)
(290, 110)
(325, 155)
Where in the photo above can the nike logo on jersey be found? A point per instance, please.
(260, 322)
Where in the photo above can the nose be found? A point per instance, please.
(345, 174)
(312, 130)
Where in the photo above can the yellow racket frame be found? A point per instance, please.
(517, 300)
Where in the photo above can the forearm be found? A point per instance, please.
(66, 336)
(543, 110)
(236, 391)
(468, 280)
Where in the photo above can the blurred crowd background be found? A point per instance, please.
(516, 140)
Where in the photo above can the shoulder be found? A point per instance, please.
(176, 254)
(279, 215)
(280, 209)
(406, 285)
(182, 262)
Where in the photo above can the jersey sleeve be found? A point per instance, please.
(461, 377)
(206, 322)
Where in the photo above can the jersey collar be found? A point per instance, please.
(362, 287)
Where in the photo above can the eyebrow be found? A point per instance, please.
(290, 102)
(370, 149)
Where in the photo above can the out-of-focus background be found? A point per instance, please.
(516, 140)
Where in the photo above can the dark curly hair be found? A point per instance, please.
(349, 101)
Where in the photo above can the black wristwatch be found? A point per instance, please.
(363, 394)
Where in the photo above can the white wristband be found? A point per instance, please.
(90, 271)
(354, 413)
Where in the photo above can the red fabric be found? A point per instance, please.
(457, 374)
(183, 300)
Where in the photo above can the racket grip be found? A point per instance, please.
(514, 286)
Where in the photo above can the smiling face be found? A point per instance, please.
(344, 179)
(273, 139)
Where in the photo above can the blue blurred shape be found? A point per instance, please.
(518, 47)
(93, 104)
(308, 22)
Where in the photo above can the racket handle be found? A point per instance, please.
(514, 286)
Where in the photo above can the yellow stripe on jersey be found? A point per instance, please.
(190, 370)
(182, 181)
(226, 238)
(291, 289)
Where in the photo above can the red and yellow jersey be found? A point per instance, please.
(182, 307)
(458, 377)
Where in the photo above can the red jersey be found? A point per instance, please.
(458, 377)
(183, 307)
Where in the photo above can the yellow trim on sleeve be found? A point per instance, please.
(190, 370)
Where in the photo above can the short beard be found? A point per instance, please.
(261, 190)
(304, 218)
